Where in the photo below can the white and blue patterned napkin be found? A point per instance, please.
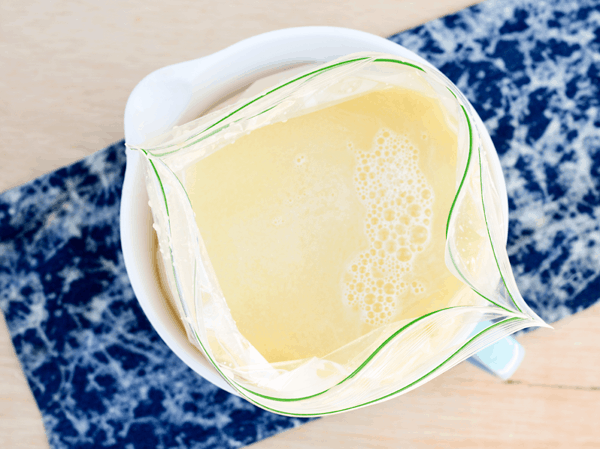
(103, 378)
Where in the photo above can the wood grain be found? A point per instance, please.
(553, 401)
(66, 70)
(20, 419)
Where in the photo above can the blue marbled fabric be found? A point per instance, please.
(101, 375)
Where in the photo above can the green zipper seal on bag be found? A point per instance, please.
(314, 72)
(237, 387)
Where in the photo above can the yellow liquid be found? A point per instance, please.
(329, 225)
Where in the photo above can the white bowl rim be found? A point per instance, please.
(294, 46)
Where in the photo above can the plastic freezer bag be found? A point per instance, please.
(334, 241)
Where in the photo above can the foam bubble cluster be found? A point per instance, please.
(398, 201)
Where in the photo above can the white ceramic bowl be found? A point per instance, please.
(179, 93)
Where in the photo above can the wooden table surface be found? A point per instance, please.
(66, 70)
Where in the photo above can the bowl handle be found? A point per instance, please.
(501, 358)
(179, 93)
